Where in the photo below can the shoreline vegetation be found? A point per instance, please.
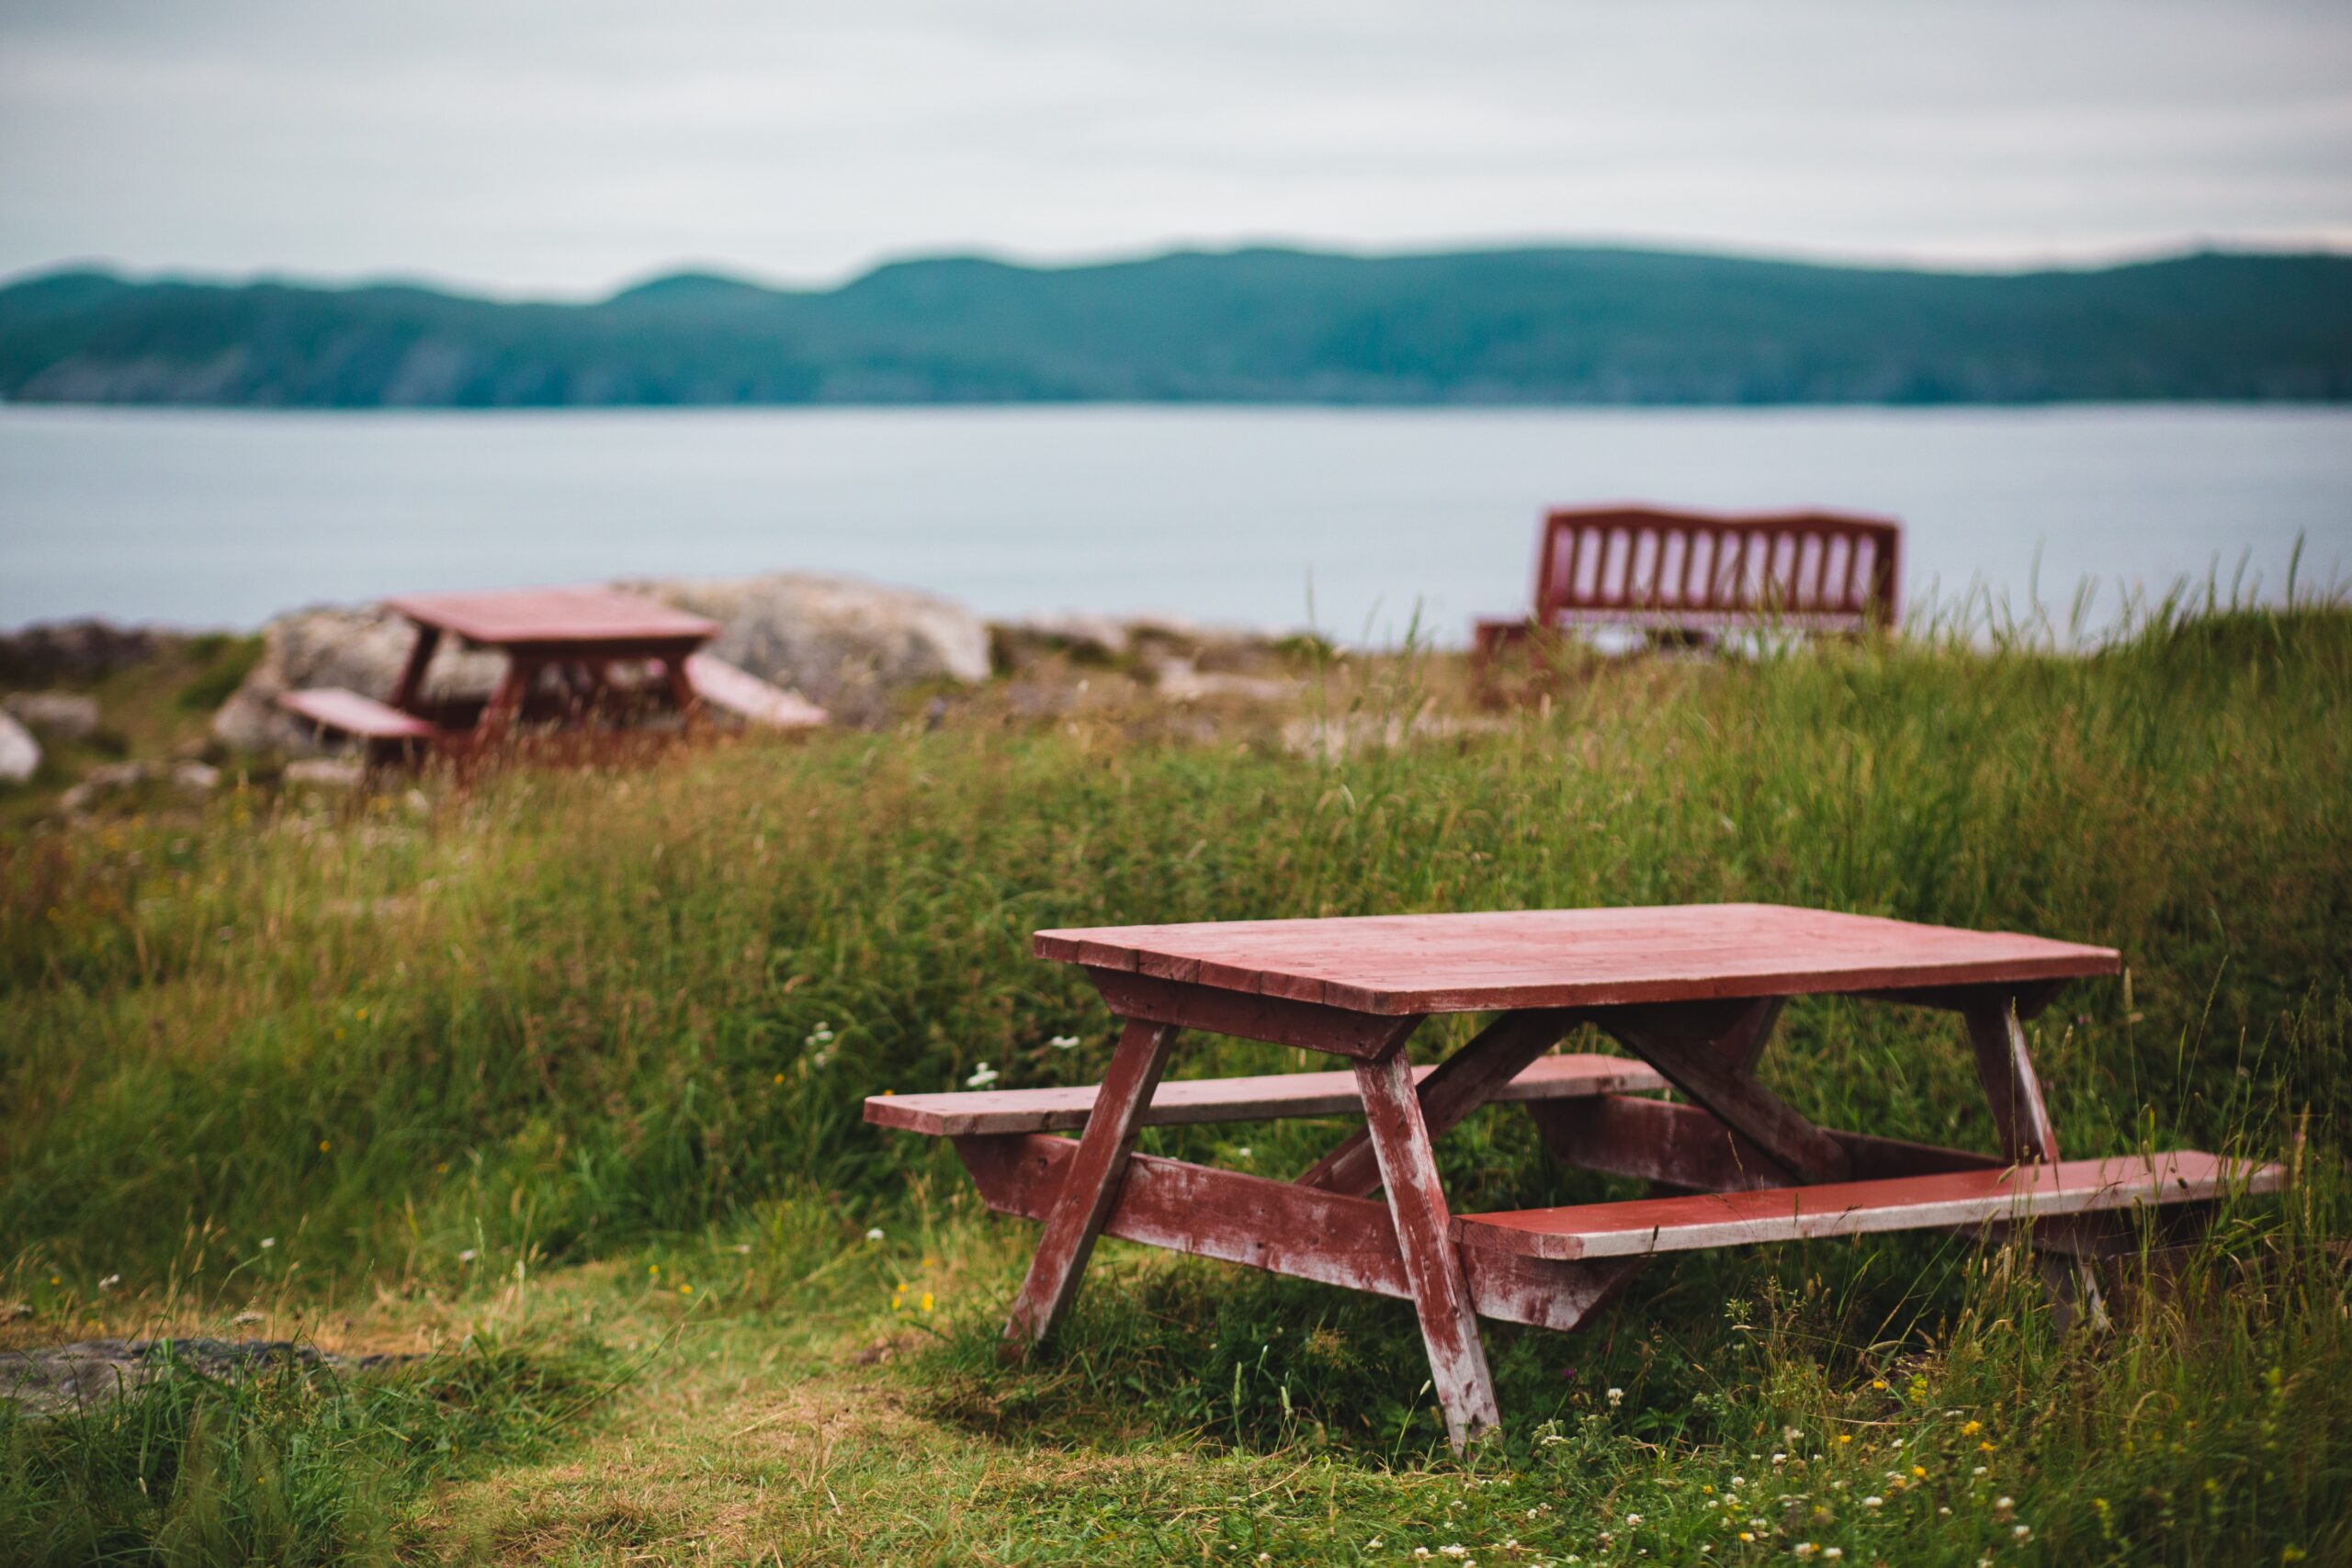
(1562, 326)
(552, 1083)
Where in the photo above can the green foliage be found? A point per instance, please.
(1529, 326)
(577, 1009)
(284, 1466)
(227, 661)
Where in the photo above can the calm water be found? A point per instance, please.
(211, 519)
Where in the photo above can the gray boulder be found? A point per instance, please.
(19, 752)
(363, 650)
(849, 646)
(66, 716)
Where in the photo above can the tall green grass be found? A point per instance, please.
(569, 1014)
(572, 1009)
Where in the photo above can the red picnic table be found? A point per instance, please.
(1692, 991)
(571, 652)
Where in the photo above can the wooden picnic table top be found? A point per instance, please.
(542, 617)
(1403, 964)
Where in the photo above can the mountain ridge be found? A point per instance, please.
(1530, 326)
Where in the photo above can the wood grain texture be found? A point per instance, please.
(1090, 1187)
(2011, 1086)
(1464, 1388)
(2010, 1194)
(1683, 1146)
(1401, 964)
(1191, 1101)
(1507, 1050)
(1280, 1227)
(1314, 1026)
(1697, 1050)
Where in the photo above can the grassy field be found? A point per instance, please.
(555, 1084)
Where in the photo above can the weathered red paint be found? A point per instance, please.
(1278, 1226)
(1695, 991)
(2008, 1193)
(1090, 1187)
(1311, 1025)
(1402, 965)
(1185, 1101)
(1690, 1048)
(1464, 1388)
(1701, 575)
(579, 633)
(1475, 1073)
(1683, 1146)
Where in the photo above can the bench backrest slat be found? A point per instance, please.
(1810, 567)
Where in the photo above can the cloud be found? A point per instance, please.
(538, 146)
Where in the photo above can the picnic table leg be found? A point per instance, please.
(1091, 1187)
(1400, 1143)
(505, 703)
(2027, 1135)
(1462, 1083)
(411, 681)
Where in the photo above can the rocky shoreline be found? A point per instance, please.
(862, 650)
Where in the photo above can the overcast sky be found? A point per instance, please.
(562, 146)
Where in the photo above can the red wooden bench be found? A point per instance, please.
(1697, 576)
(386, 731)
(1693, 993)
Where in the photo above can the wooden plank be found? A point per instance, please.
(349, 712)
(1338, 1032)
(1683, 1146)
(2021, 1118)
(411, 686)
(1192, 1101)
(1686, 1047)
(544, 616)
(1399, 965)
(1088, 1188)
(738, 691)
(2010, 1194)
(1501, 1055)
(1464, 1388)
(1280, 1227)
(2014, 1089)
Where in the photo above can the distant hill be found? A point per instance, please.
(1527, 326)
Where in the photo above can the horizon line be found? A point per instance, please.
(2091, 259)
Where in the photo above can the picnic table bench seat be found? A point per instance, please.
(1192, 1101)
(1956, 1199)
(342, 712)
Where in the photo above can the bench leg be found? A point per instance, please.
(1091, 1188)
(2027, 1135)
(1466, 1388)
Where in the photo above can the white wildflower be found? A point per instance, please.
(873, 1234)
(1873, 1502)
(1616, 1397)
(981, 1077)
(267, 1242)
(1066, 1042)
(2022, 1531)
(110, 1281)
(468, 1255)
